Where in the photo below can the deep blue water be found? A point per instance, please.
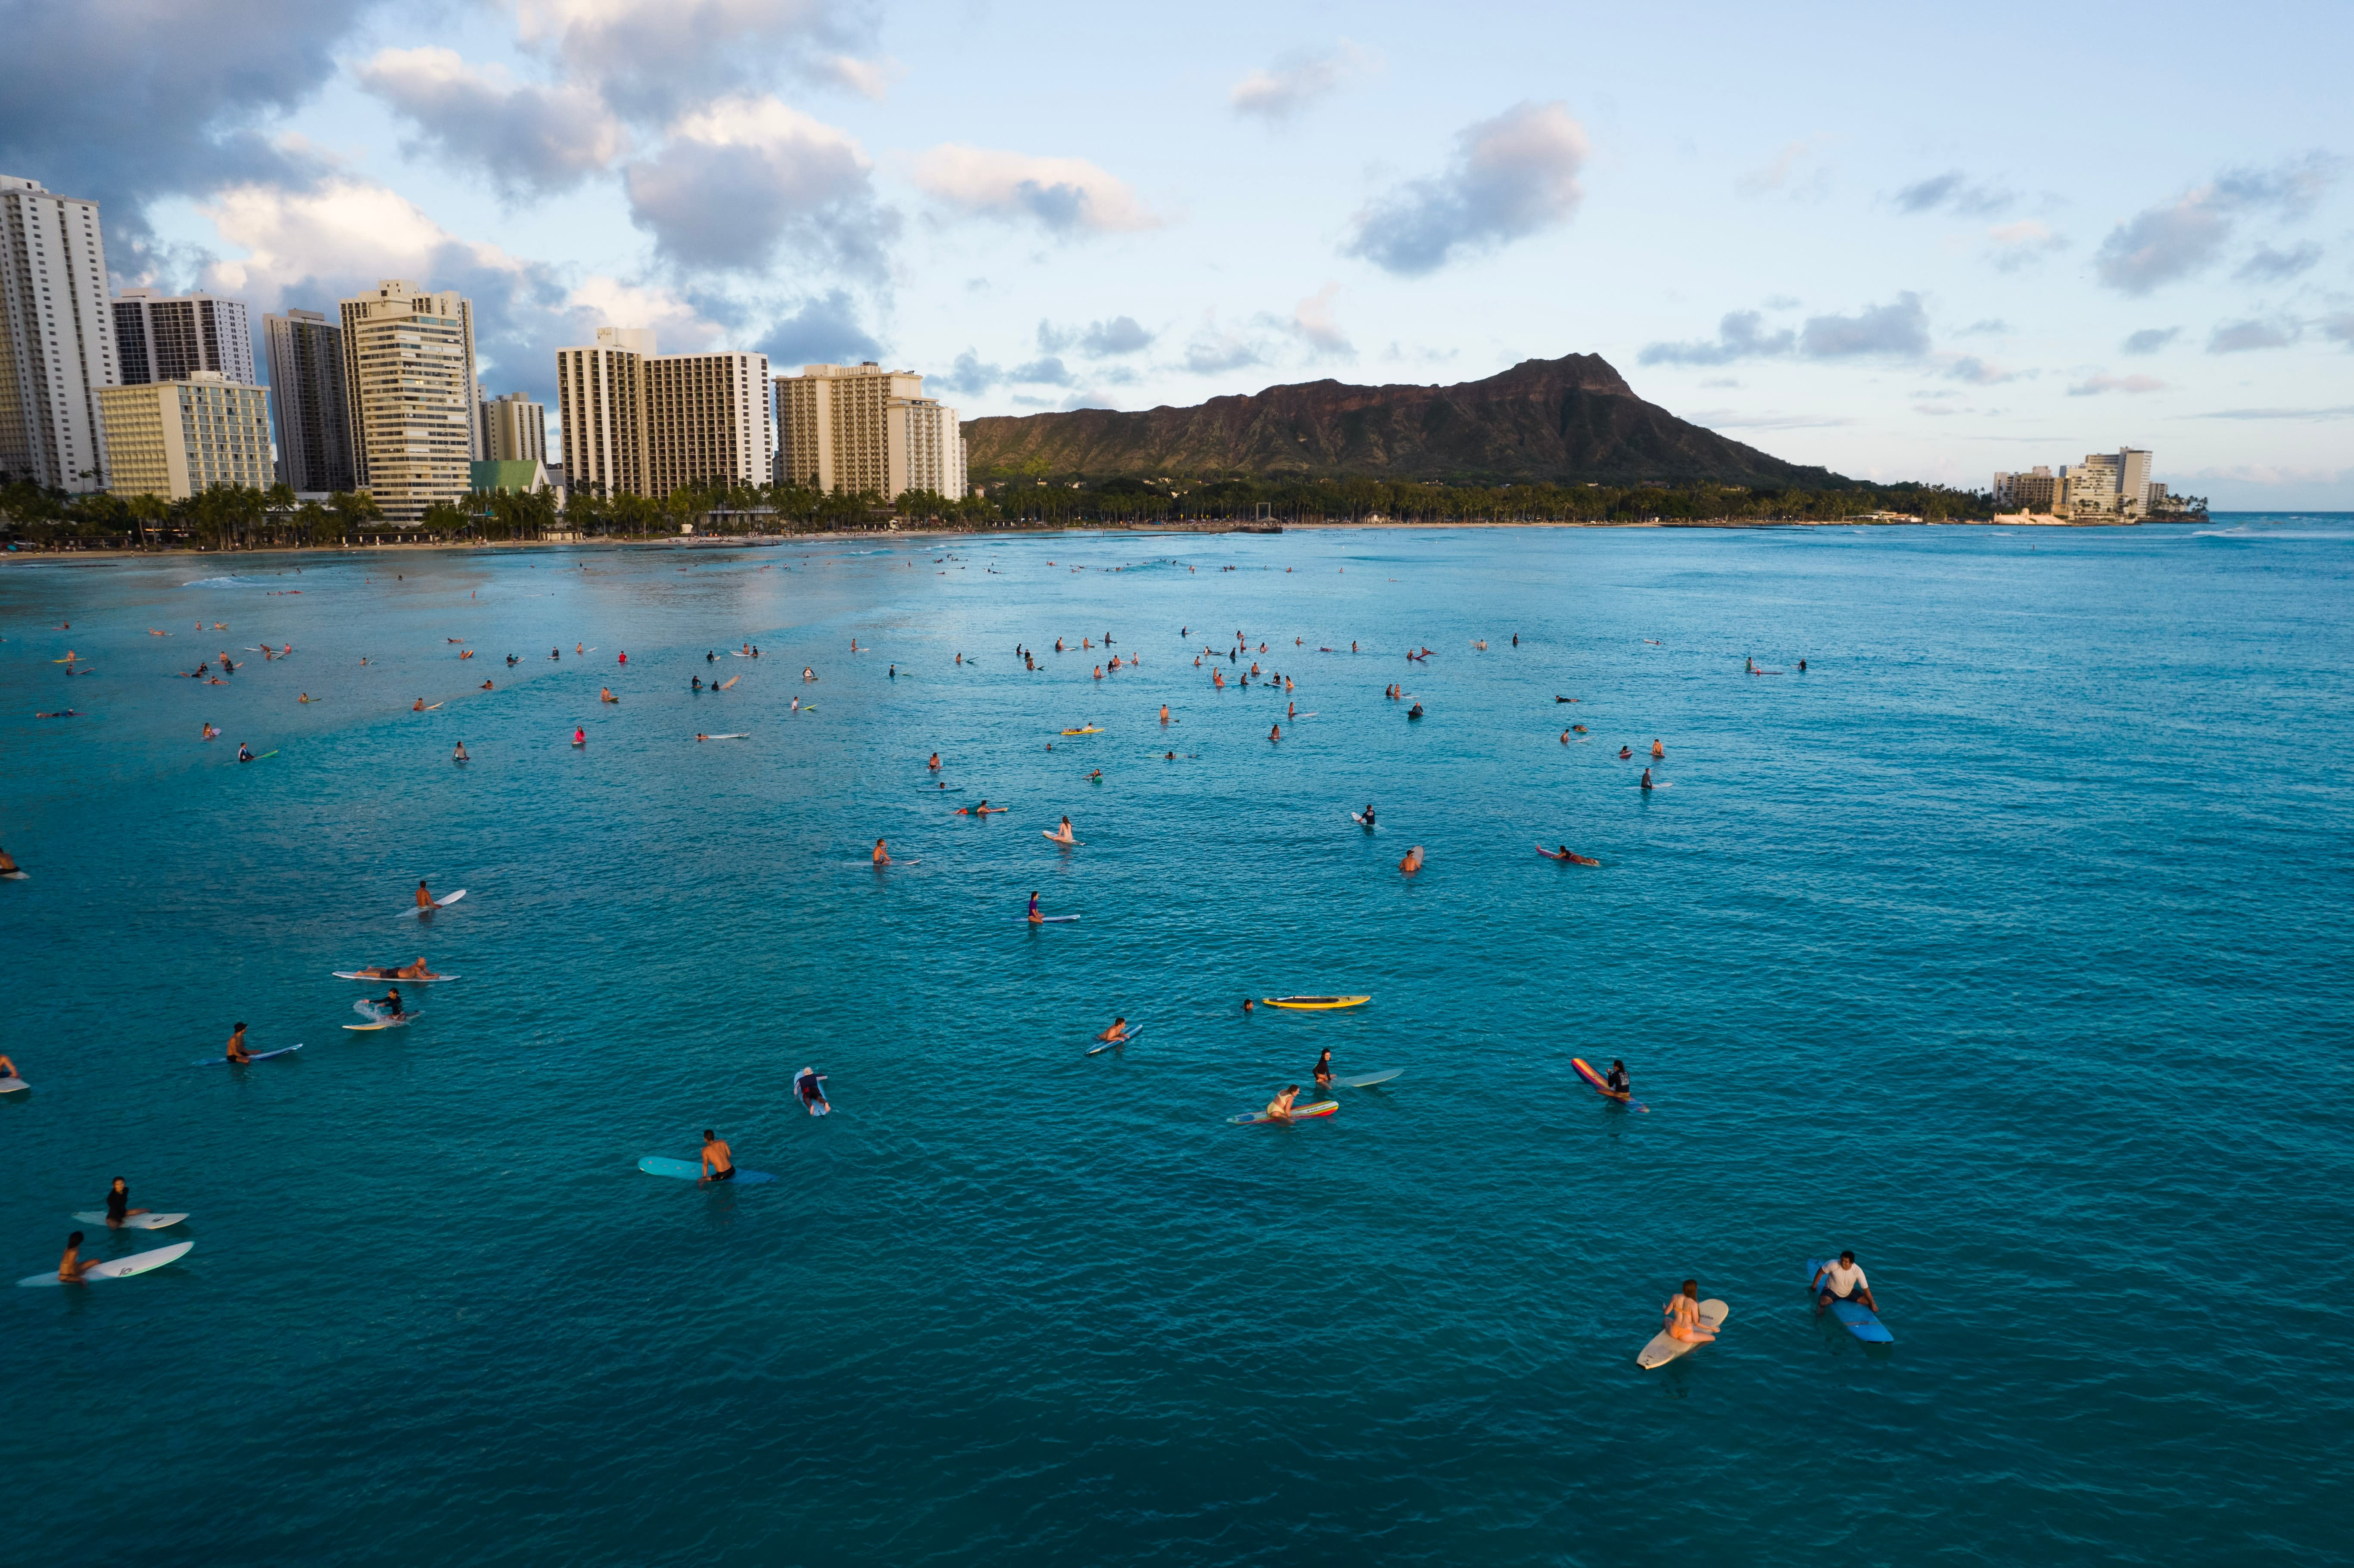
(2007, 945)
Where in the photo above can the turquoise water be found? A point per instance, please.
(2006, 945)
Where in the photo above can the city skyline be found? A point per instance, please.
(1764, 238)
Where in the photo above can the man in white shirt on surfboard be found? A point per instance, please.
(1842, 1281)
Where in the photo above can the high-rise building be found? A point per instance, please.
(57, 338)
(161, 338)
(2035, 491)
(2089, 489)
(177, 438)
(2133, 480)
(639, 423)
(408, 381)
(514, 429)
(308, 401)
(840, 423)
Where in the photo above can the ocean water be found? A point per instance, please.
(2007, 945)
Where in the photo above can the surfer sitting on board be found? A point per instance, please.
(1035, 919)
(1279, 1107)
(7, 864)
(934, 765)
(235, 1049)
(882, 856)
(7, 1068)
(70, 1266)
(1117, 1033)
(118, 1203)
(424, 895)
(1683, 1312)
(1062, 834)
(1413, 860)
(1842, 1281)
(1616, 1083)
(1324, 1068)
(1647, 779)
(718, 1159)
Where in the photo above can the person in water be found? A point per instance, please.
(417, 707)
(605, 695)
(8, 866)
(390, 1002)
(1117, 1034)
(1035, 919)
(718, 1159)
(1413, 860)
(235, 1049)
(934, 765)
(1063, 833)
(73, 1265)
(882, 856)
(118, 1203)
(1616, 1083)
(811, 1092)
(7, 1068)
(1324, 1068)
(1274, 731)
(1164, 713)
(244, 752)
(1658, 751)
(579, 736)
(1626, 753)
(1842, 1281)
(1279, 1107)
(1249, 1006)
(424, 895)
(458, 754)
(1647, 779)
(1369, 813)
(1682, 1313)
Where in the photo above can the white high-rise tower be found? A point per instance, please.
(57, 338)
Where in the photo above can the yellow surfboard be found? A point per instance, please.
(1315, 1003)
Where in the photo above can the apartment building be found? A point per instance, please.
(57, 338)
(160, 337)
(408, 376)
(848, 428)
(177, 438)
(310, 407)
(600, 402)
(636, 422)
(513, 428)
(2106, 484)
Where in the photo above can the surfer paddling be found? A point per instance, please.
(1842, 1281)
(1682, 1314)
(718, 1159)
(1117, 1034)
(416, 971)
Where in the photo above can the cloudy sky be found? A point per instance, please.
(1903, 246)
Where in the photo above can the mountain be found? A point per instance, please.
(1568, 419)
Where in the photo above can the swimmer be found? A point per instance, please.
(1117, 1034)
(1279, 1107)
(718, 1159)
(1097, 776)
(1625, 753)
(1249, 1006)
(934, 765)
(882, 856)
(486, 685)
(1274, 731)
(1164, 713)
(1802, 666)
(1682, 1314)
(808, 674)
(303, 698)
(458, 753)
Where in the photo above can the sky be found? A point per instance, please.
(1903, 246)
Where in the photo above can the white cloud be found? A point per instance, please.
(528, 137)
(2094, 386)
(343, 232)
(1313, 319)
(1215, 350)
(2239, 337)
(733, 180)
(1063, 194)
(1297, 80)
(2173, 240)
(2013, 245)
(1510, 178)
(654, 58)
(869, 79)
(679, 326)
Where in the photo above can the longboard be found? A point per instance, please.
(1123, 1040)
(1315, 1003)
(135, 1223)
(258, 1055)
(1367, 1083)
(1321, 1108)
(819, 1105)
(1049, 920)
(122, 1268)
(691, 1170)
(1571, 859)
(16, 876)
(437, 904)
(1067, 843)
(1664, 1347)
(1602, 1086)
(10, 1085)
(401, 1021)
(1859, 1318)
(396, 979)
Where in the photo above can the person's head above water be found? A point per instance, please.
(709, 1136)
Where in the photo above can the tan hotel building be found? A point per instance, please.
(849, 429)
(178, 439)
(408, 376)
(639, 423)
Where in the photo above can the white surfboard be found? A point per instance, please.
(394, 979)
(437, 904)
(1370, 1080)
(255, 1056)
(402, 1022)
(1049, 834)
(135, 1223)
(1664, 1348)
(122, 1268)
(11, 1086)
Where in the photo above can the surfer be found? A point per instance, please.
(244, 752)
(1368, 818)
(718, 1159)
(1062, 834)
(118, 1203)
(1324, 1068)
(210, 733)
(1647, 780)
(934, 765)
(1249, 1006)
(1413, 860)
(1682, 1313)
(1164, 713)
(1626, 753)
(605, 695)
(8, 868)
(424, 895)
(1274, 731)
(696, 685)
(579, 736)
(458, 753)
(389, 1001)
(1658, 752)
(235, 1049)
(70, 1268)
(1842, 1281)
(1035, 919)
(882, 856)
(811, 1092)
(1414, 712)
(983, 809)
(1802, 666)
(1616, 1083)
(1117, 1034)
(1279, 1107)
(417, 707)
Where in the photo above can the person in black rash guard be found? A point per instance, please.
(391, 1001)
(118, 1203)
(1369, 813)
(1324, 1068)
(1617, 1079)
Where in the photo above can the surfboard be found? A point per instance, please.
(1859, 1318)
(1602, 1086)
(403, 1019)
(1049, 920)
(258, 1055)
(1321, 1108)
(1571, 859)
(691, 1170)
(437, 904)
(1359, 818)
(1134, 1032)
(816, 1107)
(16, 876)
(739, 734)
(1368, 1082)
(122, 1268)
(1664, 1348)
(11, 1086)
(395, 980)
(1315, 1003)
(135, 1223)
(1088, 730)
(1068, 843)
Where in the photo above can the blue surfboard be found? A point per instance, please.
(691, 1170)
(1859, 1320)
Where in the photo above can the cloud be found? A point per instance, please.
(1979, 372)
(824, 330)
(1313, 320)
(1900, 331)
(2173, 240)
(1100, 340)
(1047, 371)
(1991, 326)
(969, 377)
(2149, 340)
(1730, 419)
(1952, 192)
(1298, 80)
(2022, 244)
(868, 78)
(527, 138)
(2239, 337)
(654, 59)
(734, 179)
(2094, 386)
(2339, 328)
(1781, 171)
(2340, 412)
(1741, 335)
(679, 325)
(1213, 351)
(1064, 196)
(2270, 266)
(1510, 178)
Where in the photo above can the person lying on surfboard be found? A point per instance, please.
(811, 1092)
(416, 971)
(1116, 1033)
(235, 1049)
(1279, 1107)
(718, 1159)
(983, 809)
(1842, 1281)
(1682, 1313)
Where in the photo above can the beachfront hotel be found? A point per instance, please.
(57, 338)
(2106, 484)
(408, 376)
(309, 402)
(178, 439)
(848, 428)
(161, 337)
(636, 422)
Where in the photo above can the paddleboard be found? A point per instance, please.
(1602, 1086)
(10, 1085)
(135, 1223)
(1315, 1003)
(816, 1107)
(403, 1020)
(691, 1170)
(1369, 1082)
(122, 1268)
(437, 904)
(395, 980)
(1134, 1032)
(1321, 1108)
(1664, 1348)
(1859, 1318)
(1571, 859)
(258, 1055)
(1067, 843)
(1049, 920)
